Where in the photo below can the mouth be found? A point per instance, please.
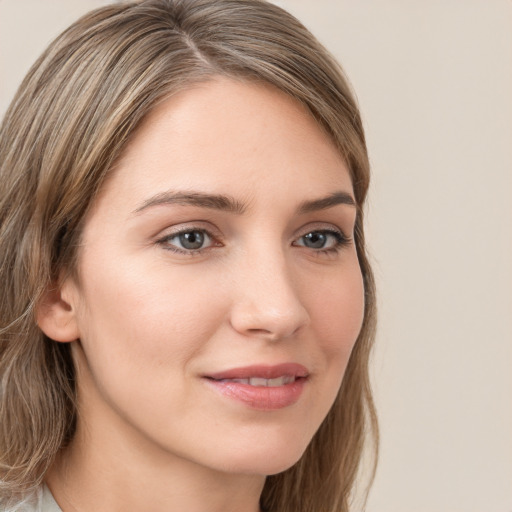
(262, 382)
(268, 373)
(264, 388)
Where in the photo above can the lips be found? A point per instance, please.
(259, 381)
(261, 387)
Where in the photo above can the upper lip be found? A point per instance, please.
(262, 371)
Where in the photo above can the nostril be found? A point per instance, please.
(263, 333)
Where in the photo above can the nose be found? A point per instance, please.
(267, 303)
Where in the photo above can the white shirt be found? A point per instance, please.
(41, 501)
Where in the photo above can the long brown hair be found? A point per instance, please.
(69, 121)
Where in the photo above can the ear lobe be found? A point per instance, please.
(56, 315)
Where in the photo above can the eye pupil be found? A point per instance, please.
(315, 240)
(192, 239)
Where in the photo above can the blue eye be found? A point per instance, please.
(326, 240)
(315, 240)
(188, 241)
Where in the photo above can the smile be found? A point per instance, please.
(264, 388)
(258, 381)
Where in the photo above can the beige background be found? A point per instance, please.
(434, 80)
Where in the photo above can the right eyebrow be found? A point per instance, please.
(192, 198)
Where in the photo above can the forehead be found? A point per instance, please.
(230, 137)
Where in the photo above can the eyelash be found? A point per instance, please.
(340, 241)
(164, 241)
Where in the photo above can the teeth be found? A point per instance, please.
(258, 381)
(241, 381)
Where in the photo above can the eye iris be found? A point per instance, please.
(192, 239)
(315, 240)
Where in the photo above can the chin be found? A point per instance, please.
(267, 460)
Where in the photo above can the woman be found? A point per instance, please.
(188, 307)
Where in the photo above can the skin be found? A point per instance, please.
(152, 321)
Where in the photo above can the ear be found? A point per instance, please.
(56, 312)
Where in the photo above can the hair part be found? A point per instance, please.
(76, 110)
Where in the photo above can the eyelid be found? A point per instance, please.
(321, 226)
(164, 237)
(339, 237)
(341, 240)
(185, 227)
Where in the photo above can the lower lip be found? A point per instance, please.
(261, 397)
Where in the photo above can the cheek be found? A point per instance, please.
(339, 312)
(148, 317)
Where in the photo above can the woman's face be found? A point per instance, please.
(220, 293)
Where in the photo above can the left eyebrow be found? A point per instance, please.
(324, 203)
